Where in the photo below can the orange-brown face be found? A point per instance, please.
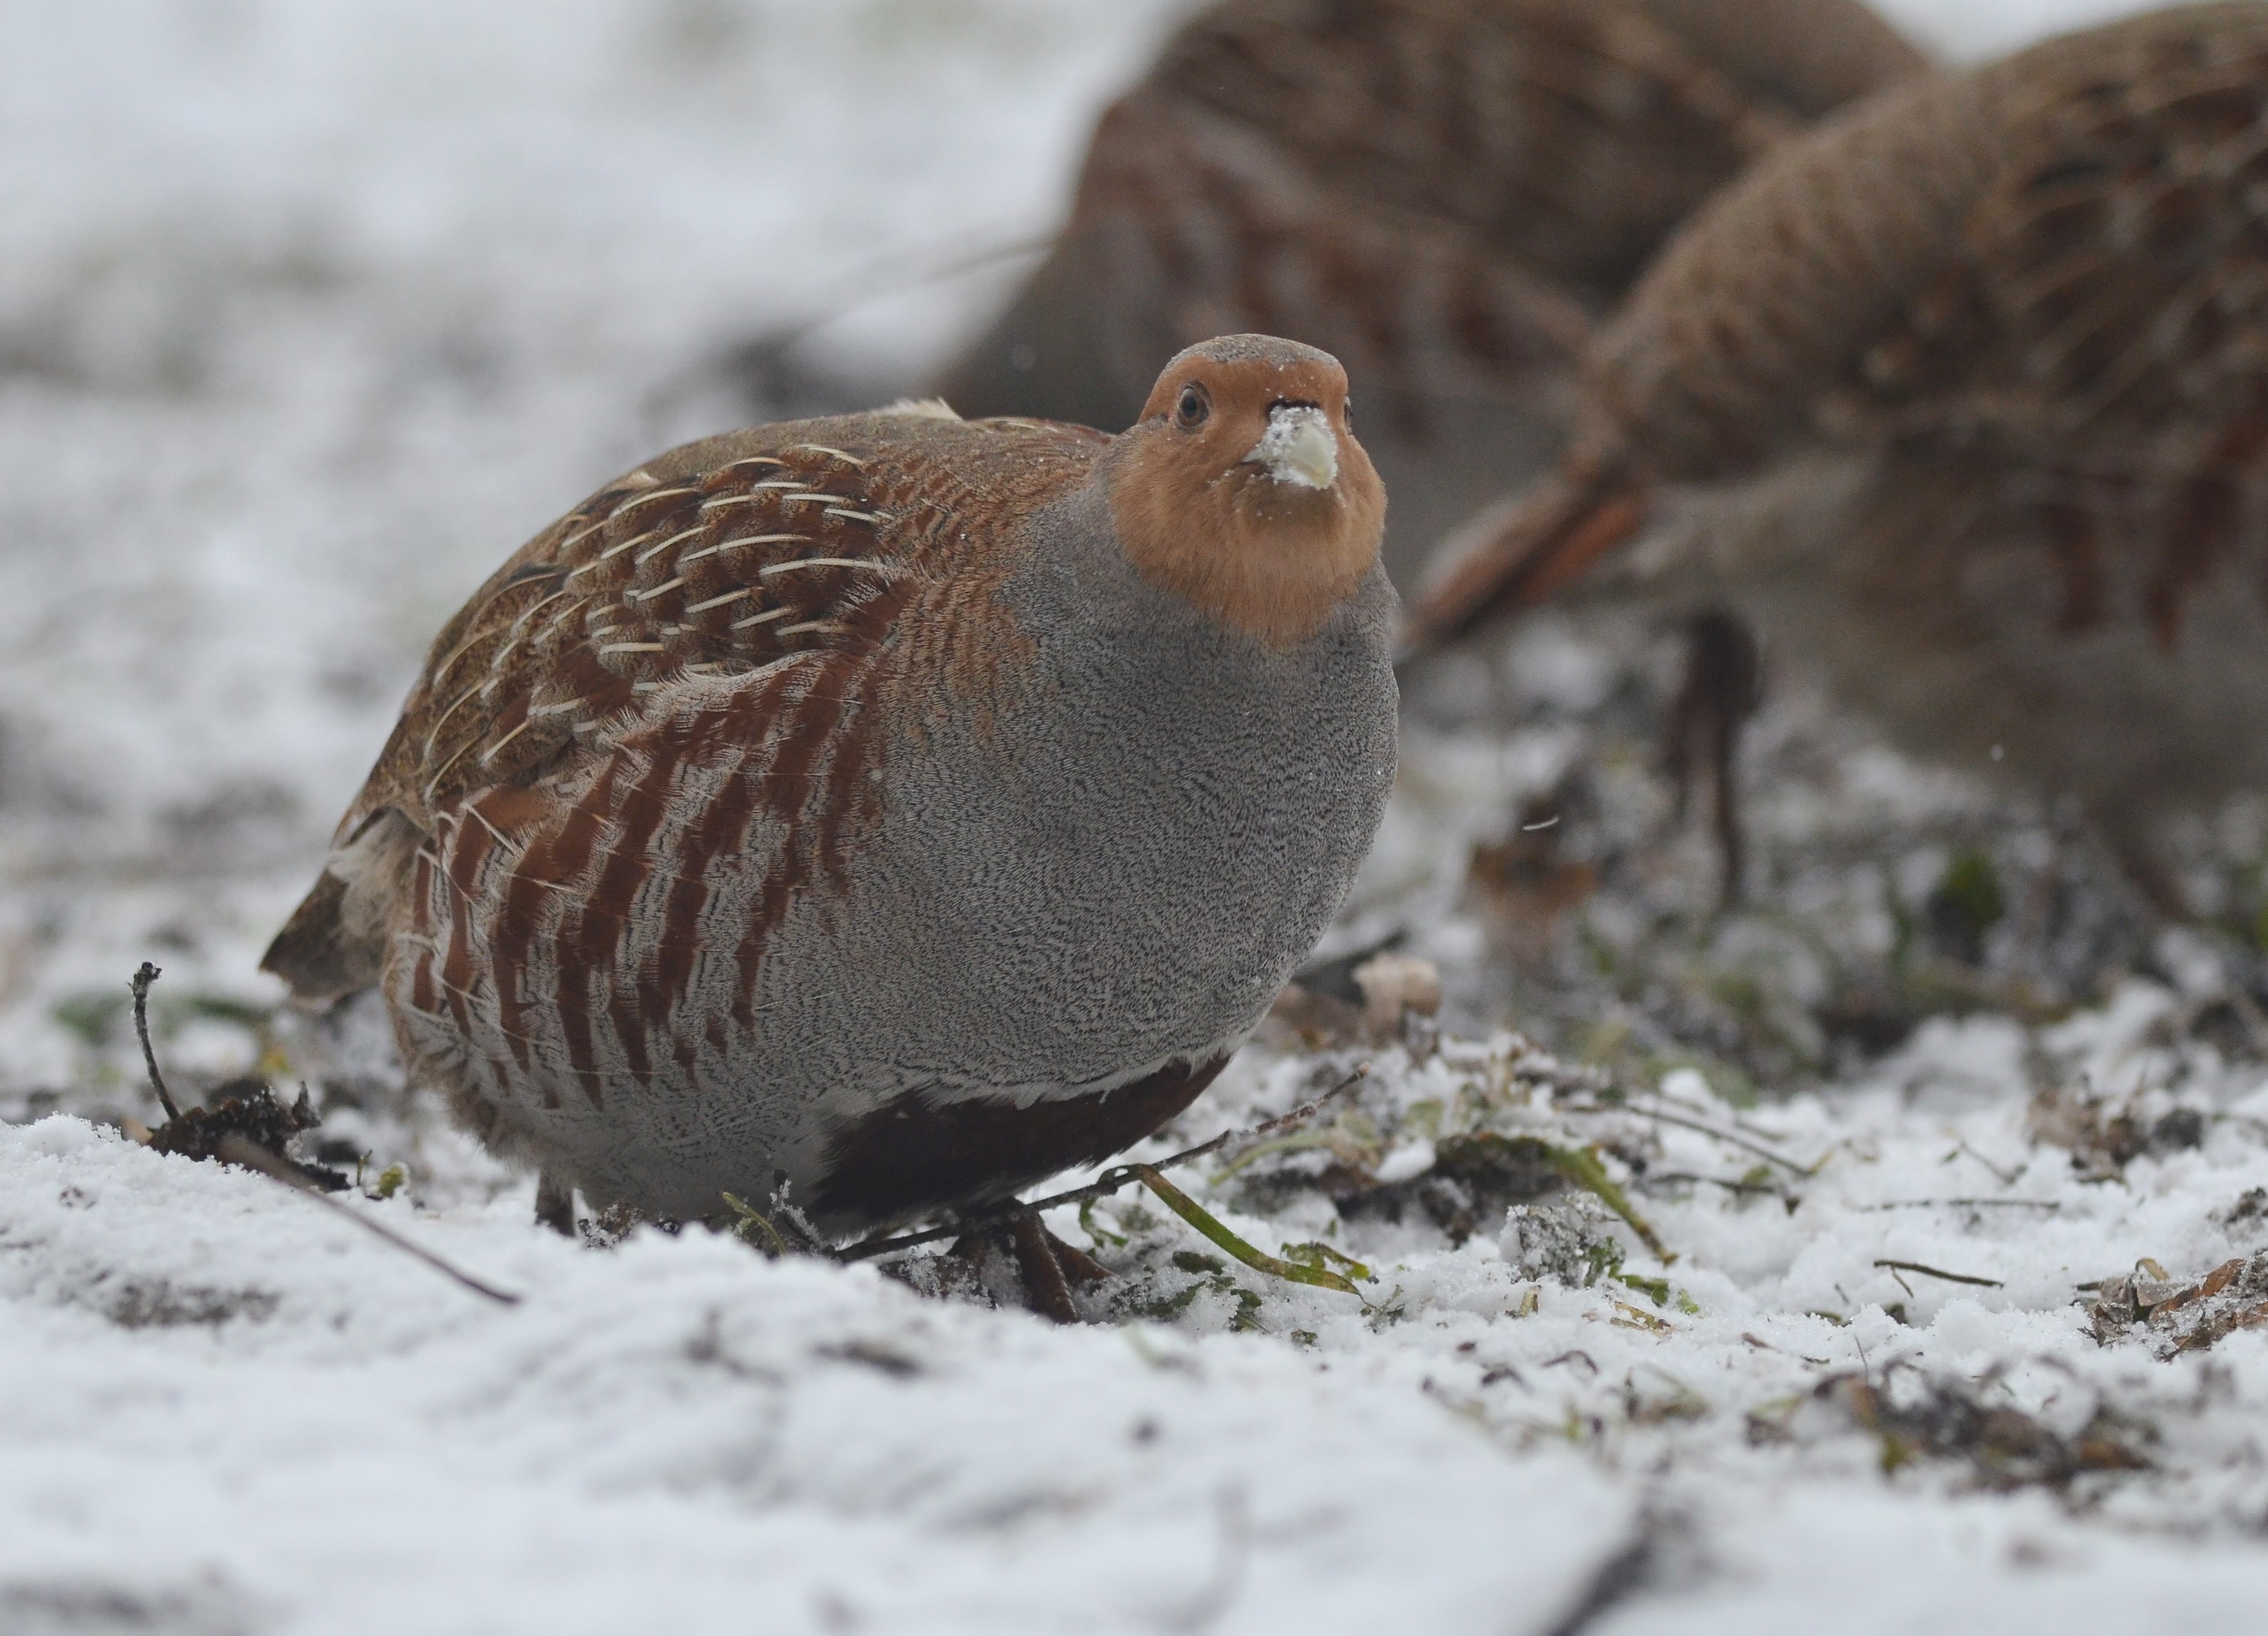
(1242, 489)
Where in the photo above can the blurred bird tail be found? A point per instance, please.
(1520, 558)
(310, 954)
(334, 942)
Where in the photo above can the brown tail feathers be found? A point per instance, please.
(1549, 540)
(335, 940)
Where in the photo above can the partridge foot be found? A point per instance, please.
(1046, 1266)
(555, 1203)
(1703, 735)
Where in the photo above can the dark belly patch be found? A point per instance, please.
(917, 1156)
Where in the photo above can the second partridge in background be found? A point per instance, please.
(2029, 306)
(1443, 193)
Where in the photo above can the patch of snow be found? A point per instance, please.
(270, 1412)
(1967, 32)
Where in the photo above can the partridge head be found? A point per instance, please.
(2026, 307)
(893, 808)
(1441, 192)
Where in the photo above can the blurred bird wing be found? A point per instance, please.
(1812, 55)
(2113, 283)
(1574, 134)
(1425, 314)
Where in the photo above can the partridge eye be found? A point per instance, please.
(1193, 408)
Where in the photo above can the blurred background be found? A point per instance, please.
(310, 312)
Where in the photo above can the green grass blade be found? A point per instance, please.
(1198, 1217)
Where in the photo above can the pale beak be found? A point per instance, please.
(1299, 448)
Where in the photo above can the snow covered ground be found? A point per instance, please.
(309, 311)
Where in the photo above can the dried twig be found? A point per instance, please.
(238, 1151)
(1939, 1272)
(2006, 1178)
(1663, 1178)
(1667, 1118)
(1111, 1180)
(1964, 1204)
(143, 979)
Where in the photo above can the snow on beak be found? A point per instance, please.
(1299, 448)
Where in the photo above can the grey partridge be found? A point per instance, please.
(2024, 308)
(1443, 193)
(896, 808)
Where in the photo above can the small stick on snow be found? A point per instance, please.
(1939, 1272)
(143, 979)
(237, 1151)
(1663, 1178)
(1964, 1204)
(2006, 1178)
(1645, 1112)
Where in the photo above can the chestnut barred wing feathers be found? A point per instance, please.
(662, 724)
(729, 611)
(714, 569)
(755, 563)
(2125, 255)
